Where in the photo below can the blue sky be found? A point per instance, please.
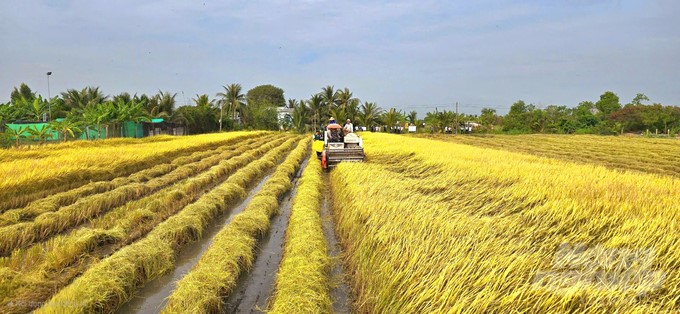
(411, 55)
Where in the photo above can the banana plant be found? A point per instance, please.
(41, 135)
(17, 133)
(65, 128)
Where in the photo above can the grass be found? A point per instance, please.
(109, 283)
(302, 282)
(233, 249)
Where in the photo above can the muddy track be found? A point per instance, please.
(340, 290)
(153, 296)
(254, 288)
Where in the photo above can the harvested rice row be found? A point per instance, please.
(55, 201)
(486, 230)
(25, 180)
(137, 213)
(40, 269)
(48, 224)
(302, 283)
(233, 248)
(113, 281)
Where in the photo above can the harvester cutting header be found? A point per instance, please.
(339, 144)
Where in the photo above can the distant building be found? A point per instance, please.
(284, 114)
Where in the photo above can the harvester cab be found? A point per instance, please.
(339, 147)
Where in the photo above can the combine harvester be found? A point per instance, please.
(338, 147)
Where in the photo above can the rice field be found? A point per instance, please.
(654, 155)
(434, 224)
(438, 227)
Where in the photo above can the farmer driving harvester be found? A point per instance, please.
(340, 144)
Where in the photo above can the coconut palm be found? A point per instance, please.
(345, 98)
(369, 114)
(23, 92)
(412, 117)
(329, 96)
(315, 104)
(233, 99)
(300, 114)
(353, 109)
(339, 113)
(165, 103)
(203, 101)
(78, 100)
(124, 96)
(392, 117)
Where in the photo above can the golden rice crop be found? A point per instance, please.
(48, 224)
(45, 264)
(232, 251)
(302, 283)
(434, 227)
(25, 179)
(109, 283)
(655, 155)
(55, 201)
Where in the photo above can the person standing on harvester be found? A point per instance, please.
(349, 128)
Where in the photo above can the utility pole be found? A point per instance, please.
(457, 125)
(49, 102)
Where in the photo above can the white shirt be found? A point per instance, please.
(349, 127)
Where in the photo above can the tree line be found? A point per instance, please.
(76, 112)
(605, 116)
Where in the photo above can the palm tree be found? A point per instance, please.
(23, 92)
(441, 119)
(330, 97)
(353, 109)
(124, 96)
(74, 99)
(203, 101)
(345, 98)
(94, 95)
(369, 114)
(292, 103)
(339, 113)
(316, 110)
(300, 114)
(165, 102)
(412, 117)
(131, 111)
(234, 100)
(391, 117)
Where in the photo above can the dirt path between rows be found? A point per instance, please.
(152, 298)
(256, 287)
(340, 291)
